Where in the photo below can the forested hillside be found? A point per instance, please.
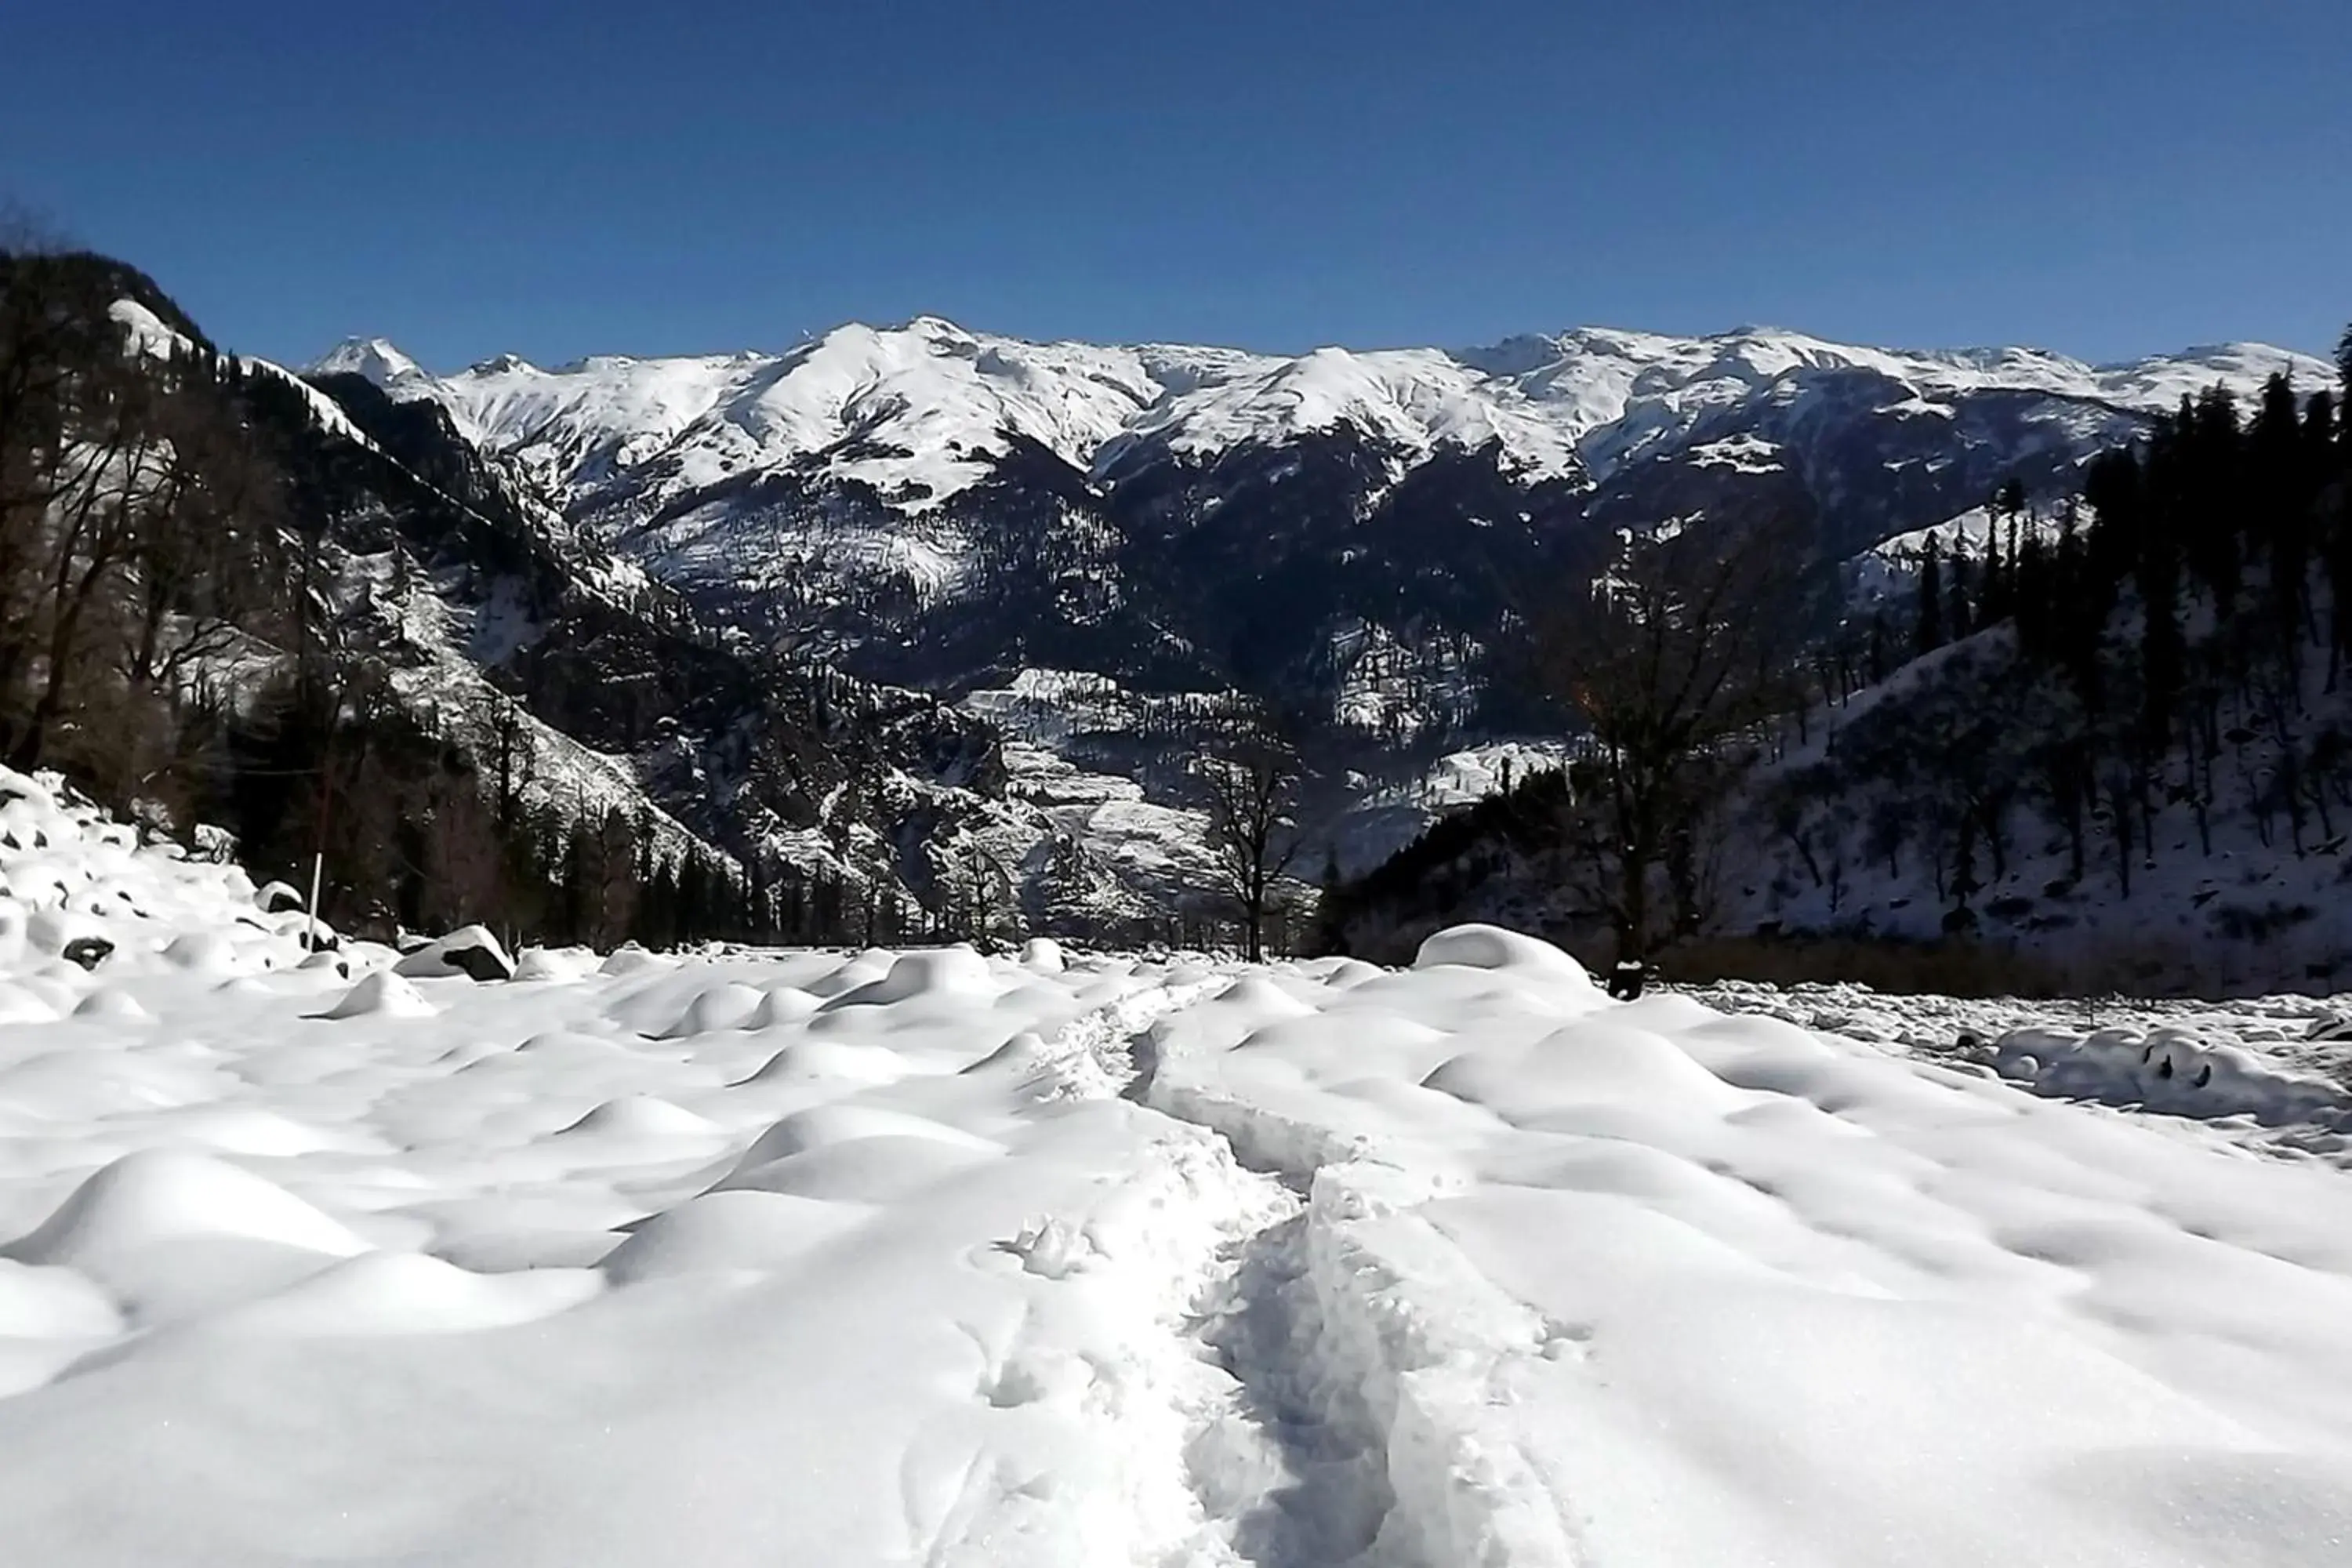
(2114, 739)
(329, 623)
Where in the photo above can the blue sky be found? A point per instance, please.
(2106, 177)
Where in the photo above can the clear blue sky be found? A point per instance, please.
(2108, 177)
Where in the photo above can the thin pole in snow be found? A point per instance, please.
(318, 850)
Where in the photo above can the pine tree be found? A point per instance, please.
(693, 918)
(2205, 447)
(656, 922)
(1993, 593)
(1962, 614)
(1929, 633)
(2009, 500)
(573, 921)
(2030, 597)
(617, 885)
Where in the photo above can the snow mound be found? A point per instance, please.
(730, 1005)
(726, 1232)
(43, 1302)
(205, 951)
(850, 974)
(849, 1061)
(561, 966)
(1259, 997)
(112, 1005)
(1491, 947)
(156, 1196)
(1136, 1260)
(641, 1116)
(1588, 1062)
(880, 1168)
(380, 994)
(630, 959)
(830, 1125)
(778, 1005)
(246, 1129)
(946, 974)
(409, 1293)
(53, 930)
(1024, 1052)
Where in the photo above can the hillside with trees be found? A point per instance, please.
(2113, 741)
(327, 623)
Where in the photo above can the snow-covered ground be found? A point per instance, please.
(931, 1258)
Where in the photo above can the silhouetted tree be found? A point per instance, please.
(1686, 644)
(1928, 633)
(1250, 773)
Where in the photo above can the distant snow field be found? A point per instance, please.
(1067, 1259)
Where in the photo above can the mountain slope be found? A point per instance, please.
(389, 639)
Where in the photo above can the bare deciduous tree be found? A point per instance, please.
(1680, 650)
(1250, 775)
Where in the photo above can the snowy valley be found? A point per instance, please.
(1284, 786)
(1094, 1259)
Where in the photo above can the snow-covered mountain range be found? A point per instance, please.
(1352, 535)
(920, 412)
(948, 508)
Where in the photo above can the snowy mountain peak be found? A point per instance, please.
(375, 358)
(936, 329)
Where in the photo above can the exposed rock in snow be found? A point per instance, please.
(470, 950)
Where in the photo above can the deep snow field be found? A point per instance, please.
(874, 1258)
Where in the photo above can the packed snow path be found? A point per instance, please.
(930, 1258)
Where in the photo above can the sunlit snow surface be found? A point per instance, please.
(927, 1258)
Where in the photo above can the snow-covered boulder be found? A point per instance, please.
(2165, 1068)
(88, 951)
(469, 950)
(277, 898)
(60, 931)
